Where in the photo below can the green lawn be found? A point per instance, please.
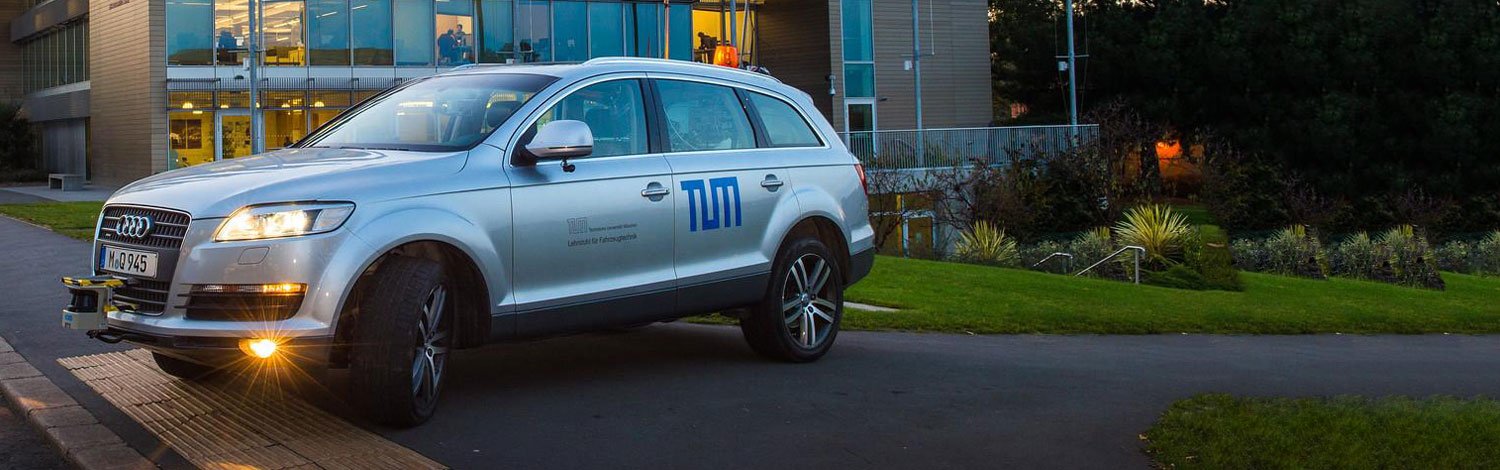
(74, 219)
(1225, 432)
(949, 297)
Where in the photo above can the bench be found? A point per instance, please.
(65, 181)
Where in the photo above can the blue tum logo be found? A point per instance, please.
(714, 206)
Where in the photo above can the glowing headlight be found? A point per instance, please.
(283, 220)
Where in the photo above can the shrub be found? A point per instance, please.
(1206, 251)
(1249, 255)
(1157, 229)
(1033, 254)
(1487, 255)
(986, 244)
(1411, 258)
(1293, 251)
(1179, 276)
(1361, 257)
(1457, 256)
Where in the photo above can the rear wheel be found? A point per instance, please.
(402, 340)
(182, 369)
(799, 317)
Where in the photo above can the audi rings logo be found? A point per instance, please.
(133, 226)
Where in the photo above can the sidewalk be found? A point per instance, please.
(29, 321)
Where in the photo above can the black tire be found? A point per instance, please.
(774, 327)
(390, 335)
(182, 369)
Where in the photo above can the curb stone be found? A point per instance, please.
(61, 420)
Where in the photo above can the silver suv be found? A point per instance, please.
(494, 203)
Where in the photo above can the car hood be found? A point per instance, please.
(217, 189)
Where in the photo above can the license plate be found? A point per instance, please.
(120, 260)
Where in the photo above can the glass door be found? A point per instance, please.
(234, 133)
(859, 123)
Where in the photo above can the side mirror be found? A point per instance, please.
(562, 139)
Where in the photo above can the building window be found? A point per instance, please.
(372, 39)
(643, 30)
(232, 31)
(497, 23)
(282, 33)
(572, 31)
(414, 32)
(190, 32)
(56, 58)
(190, 137)
(534, 31)
(858, 38)
(859, 80)
(328, 32)
(606, 30)
(455, 29)
(680, 20)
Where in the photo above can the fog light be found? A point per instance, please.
(261, 348)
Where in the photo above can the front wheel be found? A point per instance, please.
(401, 341)
(798, 319)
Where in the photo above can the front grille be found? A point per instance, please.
(146, 295)
(238, 306)
(167, 227)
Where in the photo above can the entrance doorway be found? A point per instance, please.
(234, 134)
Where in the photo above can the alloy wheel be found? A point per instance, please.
(805, 300)
(432, 349)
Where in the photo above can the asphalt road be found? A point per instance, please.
(694, 396)
(21, 446)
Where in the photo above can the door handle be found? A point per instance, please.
(771, 183)
(655, 191)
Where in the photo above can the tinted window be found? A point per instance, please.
(439, 114)
(371, 39)
(615, 112)
(704, 117)
(785, 127)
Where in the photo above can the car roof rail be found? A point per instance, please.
(760, 72)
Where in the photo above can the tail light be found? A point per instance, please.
(864, 183)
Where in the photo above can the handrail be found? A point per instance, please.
(1139, 252)
(1066, 267)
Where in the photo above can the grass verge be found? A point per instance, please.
(1226, 432)
(74, 219)
(950, 297)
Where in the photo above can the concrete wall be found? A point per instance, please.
(128, 97)
(955, 81)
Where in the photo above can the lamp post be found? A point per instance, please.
(257, 130)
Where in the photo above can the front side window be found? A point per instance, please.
(615, 112)
(445, 113)
(701, 117)
(785, 127)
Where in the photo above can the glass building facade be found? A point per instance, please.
(209, 119)
(58, 57)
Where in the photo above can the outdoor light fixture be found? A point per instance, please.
(261, 348)
(283, 220)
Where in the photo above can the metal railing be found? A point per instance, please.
(1139, 252)
(936, 148)
(1067, 257)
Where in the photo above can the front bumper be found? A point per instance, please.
(306, 351)
(326, 263)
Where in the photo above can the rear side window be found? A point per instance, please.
(701, 116)
(784, 126)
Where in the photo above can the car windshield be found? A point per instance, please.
(445, 113)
